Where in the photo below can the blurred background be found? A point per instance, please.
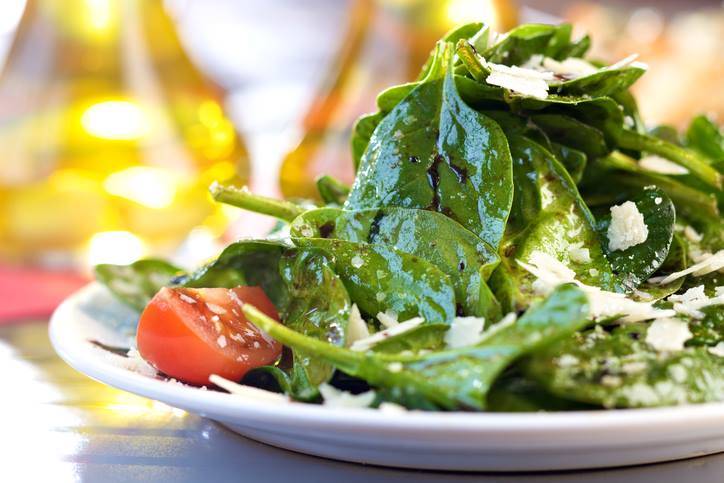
(116, 115)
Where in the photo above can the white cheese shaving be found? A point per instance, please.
(356, 326)
(567, 360)
(603, 304)
(657, 164)
(717, 350)
(710, 264)
(519, 79)
(247, 392)
(692, 235)
(578, 254)
(464, 331)
(668, 334)
(388, 318)
(392, 408)
(627, 61)
(509, 319)
(362, 345)
(570, 68)
(694, 299)
(627, 227)
(357, 261)
(335, 398)
(134, 362)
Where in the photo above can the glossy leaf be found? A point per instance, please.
(380, 278)
(619, 369)
(432, 151)
(639, 262)
(449, 379)
(461, 255)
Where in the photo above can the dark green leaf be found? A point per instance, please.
(434, 152)
(639, 262)
(451, 379)
(380, 278)
(619, 369)
(464, 257)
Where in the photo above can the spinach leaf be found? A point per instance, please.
(432, 151)
(604, 82)
(706, 137)
(380, 278)
(549, 216)
(524, 41)
(637, 263)
(361, 133)
(572, 159)
(572, 132)
(516, 393)
(708, 331)
(619, 369)
(458, 253)
(449, 379)
(137, 283)
(428, 337)
(318, 307)
(246, 262)
(331, 190)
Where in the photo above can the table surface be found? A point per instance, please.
(58, 425)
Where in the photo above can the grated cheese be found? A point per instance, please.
(388, 318)
(657, 164)
(627, 228)
(692, 235)
(520, 79)
(578, 254)
(717, 350)
(357, 261)
(464, 331)
(392, 408)
(335, 398)
(603, 304)
(247, 392)
(710, 263)
(668, 334)
(356, 327)
(362, 345)
(134, 362)
(221, 341)
(694, 299)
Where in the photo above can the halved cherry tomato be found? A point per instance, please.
(190, 334)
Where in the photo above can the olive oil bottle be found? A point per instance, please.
(109, 135)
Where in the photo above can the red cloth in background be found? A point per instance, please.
(31, 293)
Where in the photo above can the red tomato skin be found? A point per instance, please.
(177, 339)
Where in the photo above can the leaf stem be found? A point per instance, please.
(469, 56)
(690, 160)
(245, 199)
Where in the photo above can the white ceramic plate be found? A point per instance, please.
(442, 441)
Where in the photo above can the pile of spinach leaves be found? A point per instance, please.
(457, 180)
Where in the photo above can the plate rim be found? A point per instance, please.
(300, 414)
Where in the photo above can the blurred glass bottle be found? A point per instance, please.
(109, 136)
(386, 43)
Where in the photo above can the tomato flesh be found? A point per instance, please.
(189, 334)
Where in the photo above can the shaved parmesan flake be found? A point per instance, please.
(464, 331)
(668, 334)
(392, 408)
(657, 164)
(717, 350)
(247, 392)
(578, 254)
(519, 79)
(356, 327)
(694, 299)
(710, 264)
(627, 61)
(335, 398)
(362, 345)
(388, 318)
(509, 319)
(603, 304)
(692, 235)
(627, 228)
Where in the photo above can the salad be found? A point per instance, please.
(516, 239)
